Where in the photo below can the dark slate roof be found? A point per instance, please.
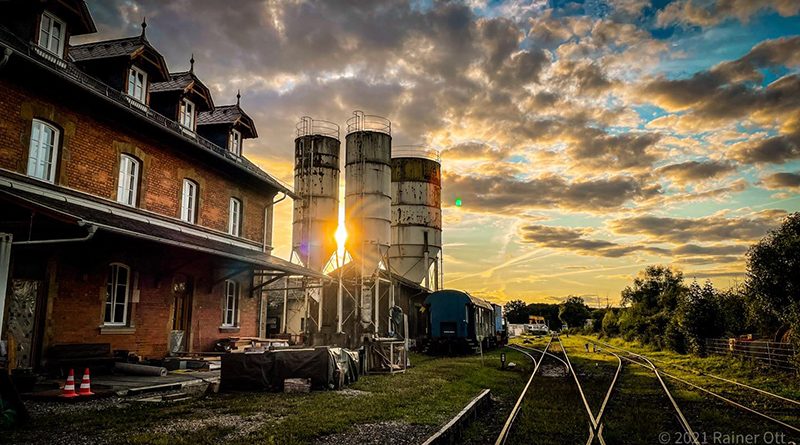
(181, 81)
(106, 48)
(227, 114)
(176, 82)
(104, 218)
(125, 47)
(222, 114)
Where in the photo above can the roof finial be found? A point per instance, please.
(238, 97)
(144, 27)
(191, 64)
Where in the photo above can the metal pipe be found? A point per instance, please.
(377, 301)
(285, 304)
(6, 55)
(92, 230)
(6, 240)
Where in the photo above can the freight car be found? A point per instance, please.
(459, 322)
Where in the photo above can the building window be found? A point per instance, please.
(189, 201)
(128, 187)
(137, 84)
(235, 217)
(51, 34)
(187, 114)
(117, 293)
(231, 303)
(43, 151)
(235, 142)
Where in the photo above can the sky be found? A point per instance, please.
(585, 139)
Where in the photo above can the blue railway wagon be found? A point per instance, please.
(500, 325)
(459, 322)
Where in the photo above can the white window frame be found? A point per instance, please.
(43, 155)
(235, 142)
(189, 201)
(134, 75)
(128, 182)
(47, 39)
(112, 295)
(235, 217)
(187, 114)
(230, 316)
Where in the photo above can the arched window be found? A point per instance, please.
(43, 152)
(117, 294)
(231, 306)
(189, 201)
(235, 217)
(128, 186)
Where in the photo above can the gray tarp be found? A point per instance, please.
(328, 368)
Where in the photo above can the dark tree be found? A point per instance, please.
(699, 316)
(516, 311)
(573, 312)
(773, 273)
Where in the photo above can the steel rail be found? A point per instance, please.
(549, 354)
(595, 429)
(723, 398)
(681, 418)
(578, 383)
(605, 401)
(501, 439)
(733, 382)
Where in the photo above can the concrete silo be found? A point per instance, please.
(416, 214)
(316, 181)
(368, 200)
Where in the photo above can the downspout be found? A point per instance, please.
(262, 327)
(6, 55)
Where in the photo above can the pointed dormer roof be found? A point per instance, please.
(131, 47)
(232, 115)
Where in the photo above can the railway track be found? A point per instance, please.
(645, 361)
(595, 422)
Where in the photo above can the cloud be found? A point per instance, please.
(575, 241)
(508, 194)
(714, 228)
(711, 12)
(693, 171)
(782, 180)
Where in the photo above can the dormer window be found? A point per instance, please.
(186, 115)
(235, 142)
(137, 84)
(52, 32)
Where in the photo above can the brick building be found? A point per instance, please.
(130, 214)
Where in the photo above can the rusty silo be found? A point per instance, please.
(416, 213)
(368, 200)
(316, 181)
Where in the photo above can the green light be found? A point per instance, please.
(458, 202)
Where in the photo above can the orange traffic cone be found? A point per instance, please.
(86, 386)
(69, 388)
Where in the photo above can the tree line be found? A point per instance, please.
(661, 309)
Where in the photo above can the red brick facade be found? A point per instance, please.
(89, 153)
(72, 277)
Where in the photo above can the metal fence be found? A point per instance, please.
(770, 353)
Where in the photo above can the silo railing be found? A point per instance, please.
(416, 151)
(308, 127)
(368, 122)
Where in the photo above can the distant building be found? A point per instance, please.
(133, 217)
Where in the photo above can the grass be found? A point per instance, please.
(706, 414)
(639, 411)
(428, 395)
